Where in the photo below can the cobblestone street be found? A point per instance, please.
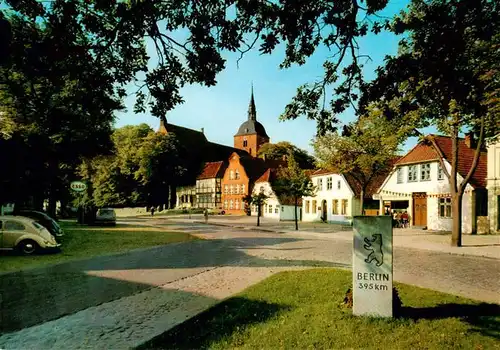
(121, 301)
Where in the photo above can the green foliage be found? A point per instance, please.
(112, 34)
(276, 151)
(445, 75)
(292, 182)
(444, 72)
(143, 166)
(365, 150)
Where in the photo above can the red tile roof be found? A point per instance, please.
(211, 170)
(266, 177)
(424, 152)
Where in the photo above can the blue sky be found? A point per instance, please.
(221, 109)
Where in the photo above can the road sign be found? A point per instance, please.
(78, 186)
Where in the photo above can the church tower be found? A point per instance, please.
(251, 135)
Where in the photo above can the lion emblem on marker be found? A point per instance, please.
(374, 245)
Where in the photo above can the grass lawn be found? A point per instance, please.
(302, 310)
(85, 242)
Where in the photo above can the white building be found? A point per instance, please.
(493, 185)
(418, 186)
(336, 200)
(273, 208)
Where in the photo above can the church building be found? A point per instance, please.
(251, 135)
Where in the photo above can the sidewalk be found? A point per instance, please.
(472, 245)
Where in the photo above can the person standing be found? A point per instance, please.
(404, 218)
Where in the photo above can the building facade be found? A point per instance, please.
(235, 186)
(272, 206)
(335, 200)
(209, 186)
(493, 184)
(251, 135)
(419, 186)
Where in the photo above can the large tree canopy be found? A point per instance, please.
(191, 36)
(445, 75)
(278, 150)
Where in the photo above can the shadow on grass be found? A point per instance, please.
(215, 324)
(484, 317)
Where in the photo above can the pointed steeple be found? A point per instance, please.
(252, 113)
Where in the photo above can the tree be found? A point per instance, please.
(113, 33)
(162, 164)
(293, 182)
(445, 75)
(365, 150)
(276, 151)
(56, 102)
(257, 199)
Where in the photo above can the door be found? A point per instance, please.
(323, 210)
(420, 209)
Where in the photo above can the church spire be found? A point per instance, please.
(252, 113)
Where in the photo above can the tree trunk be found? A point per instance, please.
(51, 210)
(456, 214)
(172, 199)
(258, 215)
(362, 201)
(296, 218)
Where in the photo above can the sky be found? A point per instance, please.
(221, 109)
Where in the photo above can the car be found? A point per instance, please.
(214, 211)
(105, 216)
(43, 219)
(25, 235)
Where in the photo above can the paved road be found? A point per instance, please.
(121, 290)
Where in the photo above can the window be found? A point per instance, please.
(231, 189)
(440, 172)
(231, 204)
(237, 205)
(243, 204)
(335, 207)
(13, 226)
(226, 189)
(245, 142)
(225, 204)
(237, 174)
(231, 175)
(444, 205)
(400, 175)
(237, 188)
(314, 207)
(261, 189)
(320, 184)
(338, 185)
(344, 206)
(243, 189)
(329, 183)
(307, 207)
(412, 173)
(425, 172)
(270, 209)
(265, 208)
(276, 210)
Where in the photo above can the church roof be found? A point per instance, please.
(251, 125)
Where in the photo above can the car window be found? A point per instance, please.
(14, 226)
(37, 225)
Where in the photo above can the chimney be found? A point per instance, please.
(469, 140)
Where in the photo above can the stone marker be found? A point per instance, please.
(372, 266)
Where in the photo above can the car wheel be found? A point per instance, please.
(222, 212)
(28, 247)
